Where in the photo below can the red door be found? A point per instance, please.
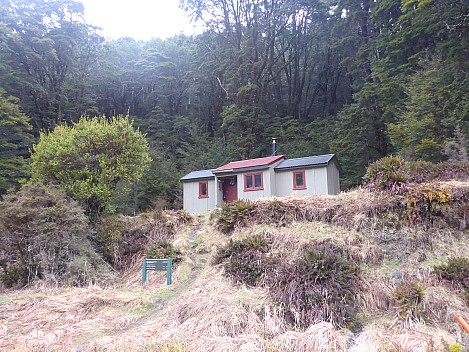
(231, 189)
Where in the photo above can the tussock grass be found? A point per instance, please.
(206, 311)
(421, 338)
(322, 337)
(437, 203)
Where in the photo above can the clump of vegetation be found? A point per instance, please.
(408, 299)
(122, 239)
(456, 271)
(456, 347)
(90, 158)
(395, 174)
(245, 260)
(164, 250)
(319, 284)
(45, 237)
(234, 214)
(389, 173)
(427, 202)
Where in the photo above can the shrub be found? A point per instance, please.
(90, 158)
(321, 284)
(163, 250)
(408, 299)
(245, 260)
(123, 239)
(389, 173)
(456, 271)
(45, 238)
(233, 214)
(393, 173)
(426, 202)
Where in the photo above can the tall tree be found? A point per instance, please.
(15, 137)
(42, 43)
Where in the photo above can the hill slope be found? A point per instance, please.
(399, 304)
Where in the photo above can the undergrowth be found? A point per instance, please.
(394, 174)
(245, 260)
(233, 214)
(164, 250)
(456, 271)
(408, 299)
(317, 283)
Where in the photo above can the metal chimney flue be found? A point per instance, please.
(274, 146)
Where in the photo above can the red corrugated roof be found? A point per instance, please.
(241, 164)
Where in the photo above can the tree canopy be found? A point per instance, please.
(90, 157)
(15, 137)
(361, 79)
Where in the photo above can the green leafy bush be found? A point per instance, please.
(89, 158)
(408, 299)
(233, 214)
(45, 237)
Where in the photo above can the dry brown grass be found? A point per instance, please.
(204, 311)
(322, 337)
(420, 338)
(52, 319)
(360, 209)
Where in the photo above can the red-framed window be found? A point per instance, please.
(299, 179)
(253, 182)
(203, 189)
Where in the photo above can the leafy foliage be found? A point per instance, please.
(47, 51)
(89, 158)
(45, 237)
(15, 137)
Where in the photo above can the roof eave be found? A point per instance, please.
(196, 178)
(301, 167)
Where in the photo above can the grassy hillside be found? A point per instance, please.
(363, 271)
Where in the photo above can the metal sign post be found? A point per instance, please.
(158, 265)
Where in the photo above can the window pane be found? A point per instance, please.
(257, 181)
(299, 179)
(249, 181)
(203, 189)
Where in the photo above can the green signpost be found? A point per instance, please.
(158, 265)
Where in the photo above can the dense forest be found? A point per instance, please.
(361, 79)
